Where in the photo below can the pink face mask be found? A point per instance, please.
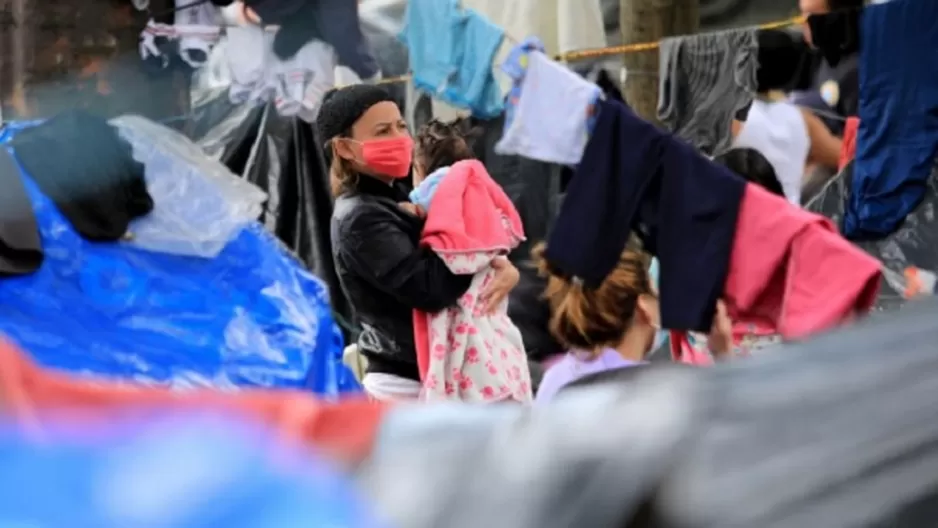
(389, 157)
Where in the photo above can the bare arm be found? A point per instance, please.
(825, 146)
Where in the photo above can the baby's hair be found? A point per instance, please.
(590, 319)
(440, 144)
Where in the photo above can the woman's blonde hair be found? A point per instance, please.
(343, 178)
(589, 319)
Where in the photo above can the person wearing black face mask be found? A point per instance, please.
(832, 28)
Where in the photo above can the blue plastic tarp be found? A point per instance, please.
(252, 316)
(192, 472)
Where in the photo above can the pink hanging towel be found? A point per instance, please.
(463, 353)
(791, 275)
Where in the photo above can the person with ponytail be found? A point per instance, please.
(375, 243)
(612, 327)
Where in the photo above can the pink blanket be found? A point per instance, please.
(463, 353)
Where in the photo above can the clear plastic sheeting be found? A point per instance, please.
(915, 243)
(200, 205)
(252, 316)
(175, 472)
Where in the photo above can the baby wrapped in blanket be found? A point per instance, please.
(465, 352)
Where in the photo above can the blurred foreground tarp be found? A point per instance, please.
(177, 472)
(38, 402)
(837, 432)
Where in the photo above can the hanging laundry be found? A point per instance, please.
(562, 25)
(601, 77)
(464, 353)
(704, 80)
(792, 272)
(191, 36)
(20, 245)
(304, 79)
(515, 66)
(339, 25)
(451, 52)
(776, 129)
(335, 22)
(198, 28)
(836, 34)
(897, 139)
(157, 44)
(249, 60)
(80, 162)
(684, 207)
(547, 90)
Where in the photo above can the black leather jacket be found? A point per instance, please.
(386, 274)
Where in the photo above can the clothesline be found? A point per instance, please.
(615, 50)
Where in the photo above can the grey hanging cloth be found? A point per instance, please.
(704, 81)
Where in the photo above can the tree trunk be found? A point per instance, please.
(649, 21)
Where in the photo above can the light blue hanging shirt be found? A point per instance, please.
(451, 50)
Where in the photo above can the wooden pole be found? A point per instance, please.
(650, 21)
(20, 52)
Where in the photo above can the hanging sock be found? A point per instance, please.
(248, 60)
(699, 96)
(897, 138)
(451, 52)
(548, 90)
(304, 79)
(156, 43)
(198, 29)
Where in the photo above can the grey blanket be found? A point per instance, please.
(835, 433)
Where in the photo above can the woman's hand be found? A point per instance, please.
(720, 341)
(506, 278)
(413, 209)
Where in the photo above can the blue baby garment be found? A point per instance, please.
(422, 195)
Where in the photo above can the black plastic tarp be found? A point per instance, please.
(282, 156)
